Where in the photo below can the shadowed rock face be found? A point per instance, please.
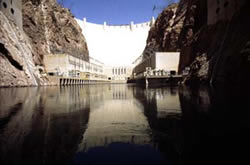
(223, 44)
(52, 29)
(217, 53)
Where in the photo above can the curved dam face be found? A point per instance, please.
(115, 45)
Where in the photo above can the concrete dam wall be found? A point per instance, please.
(115, 45)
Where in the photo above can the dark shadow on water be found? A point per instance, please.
(13, 111)
(120, 153)
(215, 125)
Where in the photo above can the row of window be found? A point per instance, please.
(87, 66)
(119, 71)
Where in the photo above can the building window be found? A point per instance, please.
(12, 11)
(121, 71)
(4, 5)
(125, 71)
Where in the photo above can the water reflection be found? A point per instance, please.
(41, 126)
(120, 124)
(215, 125)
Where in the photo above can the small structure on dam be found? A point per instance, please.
(118, 74)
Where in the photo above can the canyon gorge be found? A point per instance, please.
(212, 37)
(68, 97)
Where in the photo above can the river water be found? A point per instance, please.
(122, 124)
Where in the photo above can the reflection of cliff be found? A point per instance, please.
(16, 123)
(215, 126)
(162, 109)
(42, 129)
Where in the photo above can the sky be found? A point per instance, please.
(116, 12)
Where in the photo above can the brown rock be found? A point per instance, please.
(16, 57)
(48, 28)
(164, 35)
(52, 29)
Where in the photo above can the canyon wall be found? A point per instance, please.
(16, 57)
(164, 34)
(213, 40)
(217, 52)
(52, 29)
(48, 28)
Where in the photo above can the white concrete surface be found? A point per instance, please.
(115, 45)
(167, 60)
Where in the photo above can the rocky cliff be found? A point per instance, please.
(48, 28)
(212, 36)
(52, 29)
(218, 53)
(164, 35)
(16, 57)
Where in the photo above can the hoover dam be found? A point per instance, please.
(115, 45)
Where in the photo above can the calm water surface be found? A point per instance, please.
(121, 124)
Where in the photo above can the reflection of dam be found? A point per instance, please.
(40, 125)
(167, 101)
(161, 101)
(118, 119)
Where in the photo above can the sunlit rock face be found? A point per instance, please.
(17, 66)
(164, 35)
(117, 45)
(47, 29)
(52, 29)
